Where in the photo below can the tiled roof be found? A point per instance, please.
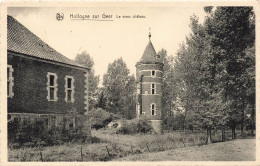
(150, 55)
(21, 40)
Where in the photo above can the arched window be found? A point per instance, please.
(153, 109)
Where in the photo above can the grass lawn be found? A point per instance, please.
(107, 146)
(236, 150)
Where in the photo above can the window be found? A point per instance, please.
(153, 89)
(52, 86)
(69, 89)
(153, 73)
(153, 109)
(10, 81)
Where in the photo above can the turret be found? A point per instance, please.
(149, 72)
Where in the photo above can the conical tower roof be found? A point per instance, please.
(149, 55)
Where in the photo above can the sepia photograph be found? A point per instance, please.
(131, 83)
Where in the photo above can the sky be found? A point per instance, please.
(107, 41)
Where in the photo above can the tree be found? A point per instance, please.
(168, 82)
(101, 103)
(214, 70)
(86, 60)
(184, 77)
(169, 95)
(195, 75)
(119, 89)
(232, 33)
(250, 82)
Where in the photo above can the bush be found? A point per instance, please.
(135, 126)
(35, 133)
(99, 118)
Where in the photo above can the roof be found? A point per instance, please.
(21, 40)
(149, 55)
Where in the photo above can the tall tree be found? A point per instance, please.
(194, 72)
(250, 82)
(86, 60)
(168, 94)
(101, 98)
(232, 32)
(215, 69)
(119, 89)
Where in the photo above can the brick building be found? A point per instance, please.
(44, 88)
(149, 72)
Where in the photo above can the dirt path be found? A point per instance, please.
(237, 150)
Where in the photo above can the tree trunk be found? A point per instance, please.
(208, 136)
(184, 122)
(242, 130)
(252, 123)
(233, 132)
(223, 135)
(243, 119)
(184, 129)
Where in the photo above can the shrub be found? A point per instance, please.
(135, 126)
(100, 118)
(34, 133)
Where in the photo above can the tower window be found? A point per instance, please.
(153, 89)
(153, 73)
(10, 81)
(69, 89)
(52, 86)
(153, 109)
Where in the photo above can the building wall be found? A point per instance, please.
(145, 79)
(30, 83)
(147, 101)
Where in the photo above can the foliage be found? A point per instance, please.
(175, 122)
(232, 36)
(119, 88)
(102, 100)
(118, 146)
(214, 69)
(39, 133)
(141, 125)
(86, 60)
(100, 118)
(169, 89)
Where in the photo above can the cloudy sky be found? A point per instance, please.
(106, 41)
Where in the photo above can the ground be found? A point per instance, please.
(236, 150)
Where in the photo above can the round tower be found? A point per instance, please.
(149, 72)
